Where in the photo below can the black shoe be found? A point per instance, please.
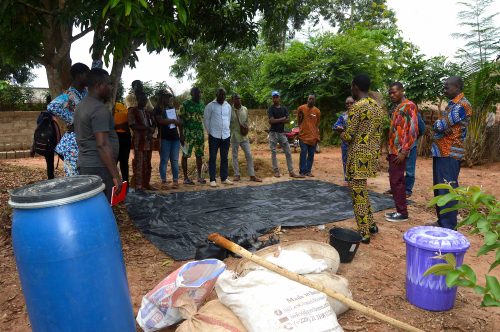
(365, 240)
(373, 229)
(397, 217)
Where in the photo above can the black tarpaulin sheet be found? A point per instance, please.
(176, 222)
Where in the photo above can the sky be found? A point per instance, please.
(426, 23)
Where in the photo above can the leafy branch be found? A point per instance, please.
(483, 218)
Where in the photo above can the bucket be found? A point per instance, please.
(346, 241)
(68, 256)
(422, 244)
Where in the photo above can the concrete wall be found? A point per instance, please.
(16, 130)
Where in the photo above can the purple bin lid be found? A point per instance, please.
(436, 238)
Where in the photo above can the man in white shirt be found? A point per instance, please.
(217, 120)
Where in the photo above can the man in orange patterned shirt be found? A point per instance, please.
(450, 131)
(402, 133)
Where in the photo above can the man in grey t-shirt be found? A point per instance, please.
(95, 133)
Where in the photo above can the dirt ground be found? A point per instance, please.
(376, 276)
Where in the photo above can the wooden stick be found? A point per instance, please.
(233, 247)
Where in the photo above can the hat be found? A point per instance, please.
(275, 93)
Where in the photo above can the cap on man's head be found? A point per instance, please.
(275, 94)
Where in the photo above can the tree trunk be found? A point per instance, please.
(58, 76)
(56, 41)
(116, 74)
(119, 64)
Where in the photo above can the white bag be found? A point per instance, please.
(336, 283)
(194, 279)
(315, 249)
(266, 301)
(298, 262)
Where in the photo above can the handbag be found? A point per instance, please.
(243, 128)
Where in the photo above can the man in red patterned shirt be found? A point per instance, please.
(402, 133)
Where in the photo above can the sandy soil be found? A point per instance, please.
(376, 276)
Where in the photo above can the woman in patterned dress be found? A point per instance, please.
(63, 106)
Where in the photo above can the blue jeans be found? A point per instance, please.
(214, 145)
(411, 163)
(444, 170)
(344, 147)
(169, 150)
(306, 157)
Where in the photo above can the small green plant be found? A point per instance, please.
(483, 217)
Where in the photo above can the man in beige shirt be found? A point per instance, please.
(239, 117)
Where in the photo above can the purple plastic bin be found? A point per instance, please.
(423, 243)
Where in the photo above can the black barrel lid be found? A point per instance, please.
(56, 191)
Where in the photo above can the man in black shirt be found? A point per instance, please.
(278, 116)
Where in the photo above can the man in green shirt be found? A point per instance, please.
(191, 133)
(239, 119)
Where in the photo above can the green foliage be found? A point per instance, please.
(482, 90)
(20, 74)
(481, 36)
(424, 78)
(14, 97)
(347, 14)
(483, 218)
(230, 68)
(324, 65)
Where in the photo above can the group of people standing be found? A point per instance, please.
(96, 139)
(361, 133)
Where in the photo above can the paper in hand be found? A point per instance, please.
(171, 115)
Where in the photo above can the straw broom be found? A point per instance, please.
(233, 247)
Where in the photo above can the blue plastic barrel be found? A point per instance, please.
(69, 258)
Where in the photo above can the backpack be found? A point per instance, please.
(421, 125)
(46, 134)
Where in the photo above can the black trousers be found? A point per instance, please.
(49, 160)
(124, 153)
(214, 145)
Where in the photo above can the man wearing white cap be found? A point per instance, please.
(278, 116)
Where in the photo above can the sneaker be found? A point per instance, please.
(175, 185)
(397, 217)
(228, 182)
(373, 229)
(310, 175)
(213, 184)
(236, 178)
(294, 175)
(189, 181)
(389, 214)
(255, 179)
(277, 174)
